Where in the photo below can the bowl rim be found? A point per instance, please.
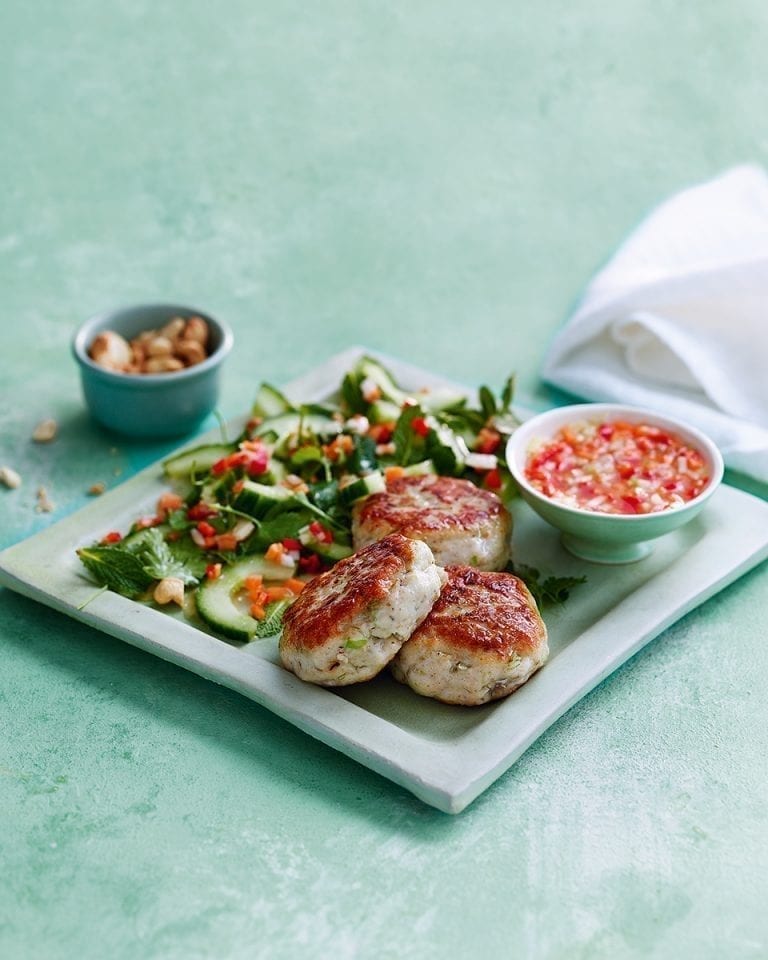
(698, 438)
(83, 334)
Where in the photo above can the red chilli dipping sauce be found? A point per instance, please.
(617, 467)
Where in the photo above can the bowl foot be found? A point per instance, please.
(598, 551)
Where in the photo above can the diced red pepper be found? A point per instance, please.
(290, 544)
(112, 537)
(320, 533)
(381, 432)
(206, 529)
(200, 511)
(488, 441)
(420, 426)
(213, 571)
(143, 523)
(493, 480)
(310, 564)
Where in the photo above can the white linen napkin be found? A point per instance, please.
(678, 320)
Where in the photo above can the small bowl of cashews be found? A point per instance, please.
(151, 370)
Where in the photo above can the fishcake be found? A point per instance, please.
(461, 523)
(349, 622)
(483, 638)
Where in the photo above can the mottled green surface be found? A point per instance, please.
(437, 180)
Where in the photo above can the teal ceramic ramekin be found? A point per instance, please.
(150, 405)
(604, 537)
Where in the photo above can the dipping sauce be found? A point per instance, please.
(617, 467)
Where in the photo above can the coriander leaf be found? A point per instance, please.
(159, 562)
(273, 621)
(549, 590)
(178, 520)
(187, 552)
(116, 569)
(281, 527)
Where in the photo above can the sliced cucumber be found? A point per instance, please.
(369, 369)
(256, 499)
(216, 603)
(331, 551)
(196, 461)
(441, 398)
(270, 402)
(420, 469)
(134, 541)
(288, 423)
(383, 411)
(364, 486)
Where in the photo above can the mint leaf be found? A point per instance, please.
(273, 622)
(116, 569)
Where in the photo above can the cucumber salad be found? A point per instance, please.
(245, 523)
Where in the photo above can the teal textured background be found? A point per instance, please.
(437, 180)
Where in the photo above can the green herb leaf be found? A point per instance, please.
(116, 569)
(507, 394)
(273, 621)
(363, 458)
(159, 562)
(351, 395)
(404, 437)
(549, 590)
(355, 643)
(487, 402)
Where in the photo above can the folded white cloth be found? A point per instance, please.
(678, 319)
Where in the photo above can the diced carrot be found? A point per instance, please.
(274, 553)
(168, 502)
(226, 541)
(257, 611)
(294, 585)
(279, 593)
(254, 586)
(393, 473)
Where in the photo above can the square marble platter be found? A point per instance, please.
(445, 755)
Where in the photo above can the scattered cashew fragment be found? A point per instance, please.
(44, 504)
(45, 431)
(169, 590)
(110, 350)
(96, 489)
(10, 478)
